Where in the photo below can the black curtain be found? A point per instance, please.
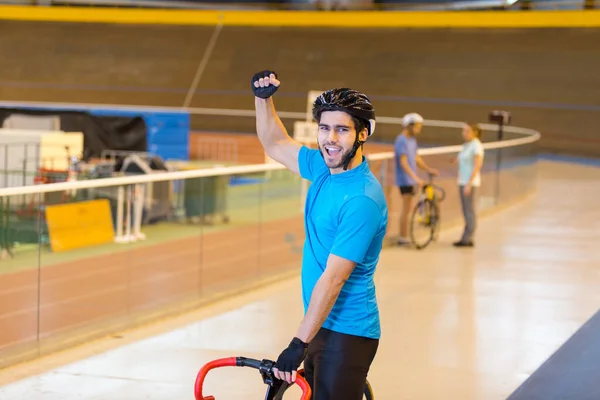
(99, 132)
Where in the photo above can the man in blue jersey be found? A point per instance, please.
(407, 160)
(345, 221)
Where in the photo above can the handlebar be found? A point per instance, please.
(441, 192)
(265, 367)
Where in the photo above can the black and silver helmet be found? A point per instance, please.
(351, 101)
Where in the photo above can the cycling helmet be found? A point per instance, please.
(352, 102)
(412, 118)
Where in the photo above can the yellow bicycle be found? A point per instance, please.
(425, 219)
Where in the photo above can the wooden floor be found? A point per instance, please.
(457, 323)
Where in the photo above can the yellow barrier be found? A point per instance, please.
(76, 225)
(358, 19)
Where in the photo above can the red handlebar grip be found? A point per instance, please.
(303, 384)
(222, 362)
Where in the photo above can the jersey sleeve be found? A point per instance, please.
(310, 163)
(359, 221)
(478, 149)
(400, 147)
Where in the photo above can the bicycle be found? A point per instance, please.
(275, 387)
(426, 213)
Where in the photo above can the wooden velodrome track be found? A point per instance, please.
(48, 308)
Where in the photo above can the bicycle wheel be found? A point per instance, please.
(440, 193)
(369, 392)
(424, 223)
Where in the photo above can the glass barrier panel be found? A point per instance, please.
(231, 205)
(20, 240)
(518, 173)
(165, 251)
(486, 196)
(85, 270)
(282, 222)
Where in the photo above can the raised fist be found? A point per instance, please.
(264, 84)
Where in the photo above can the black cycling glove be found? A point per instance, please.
(263, 92)
(290, 359)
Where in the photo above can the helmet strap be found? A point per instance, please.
(352, 154)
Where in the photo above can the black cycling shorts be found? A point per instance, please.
(407, 189)
(337, 364)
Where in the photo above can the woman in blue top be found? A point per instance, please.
(470, 160)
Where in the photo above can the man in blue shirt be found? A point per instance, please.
(407, 159)
(345, 222)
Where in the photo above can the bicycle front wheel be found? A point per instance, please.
(423, 223)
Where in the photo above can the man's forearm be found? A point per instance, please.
(323, 298)
(421, 164)
(406, 167)
(269, 127)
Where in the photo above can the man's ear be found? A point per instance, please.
(364, 134)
